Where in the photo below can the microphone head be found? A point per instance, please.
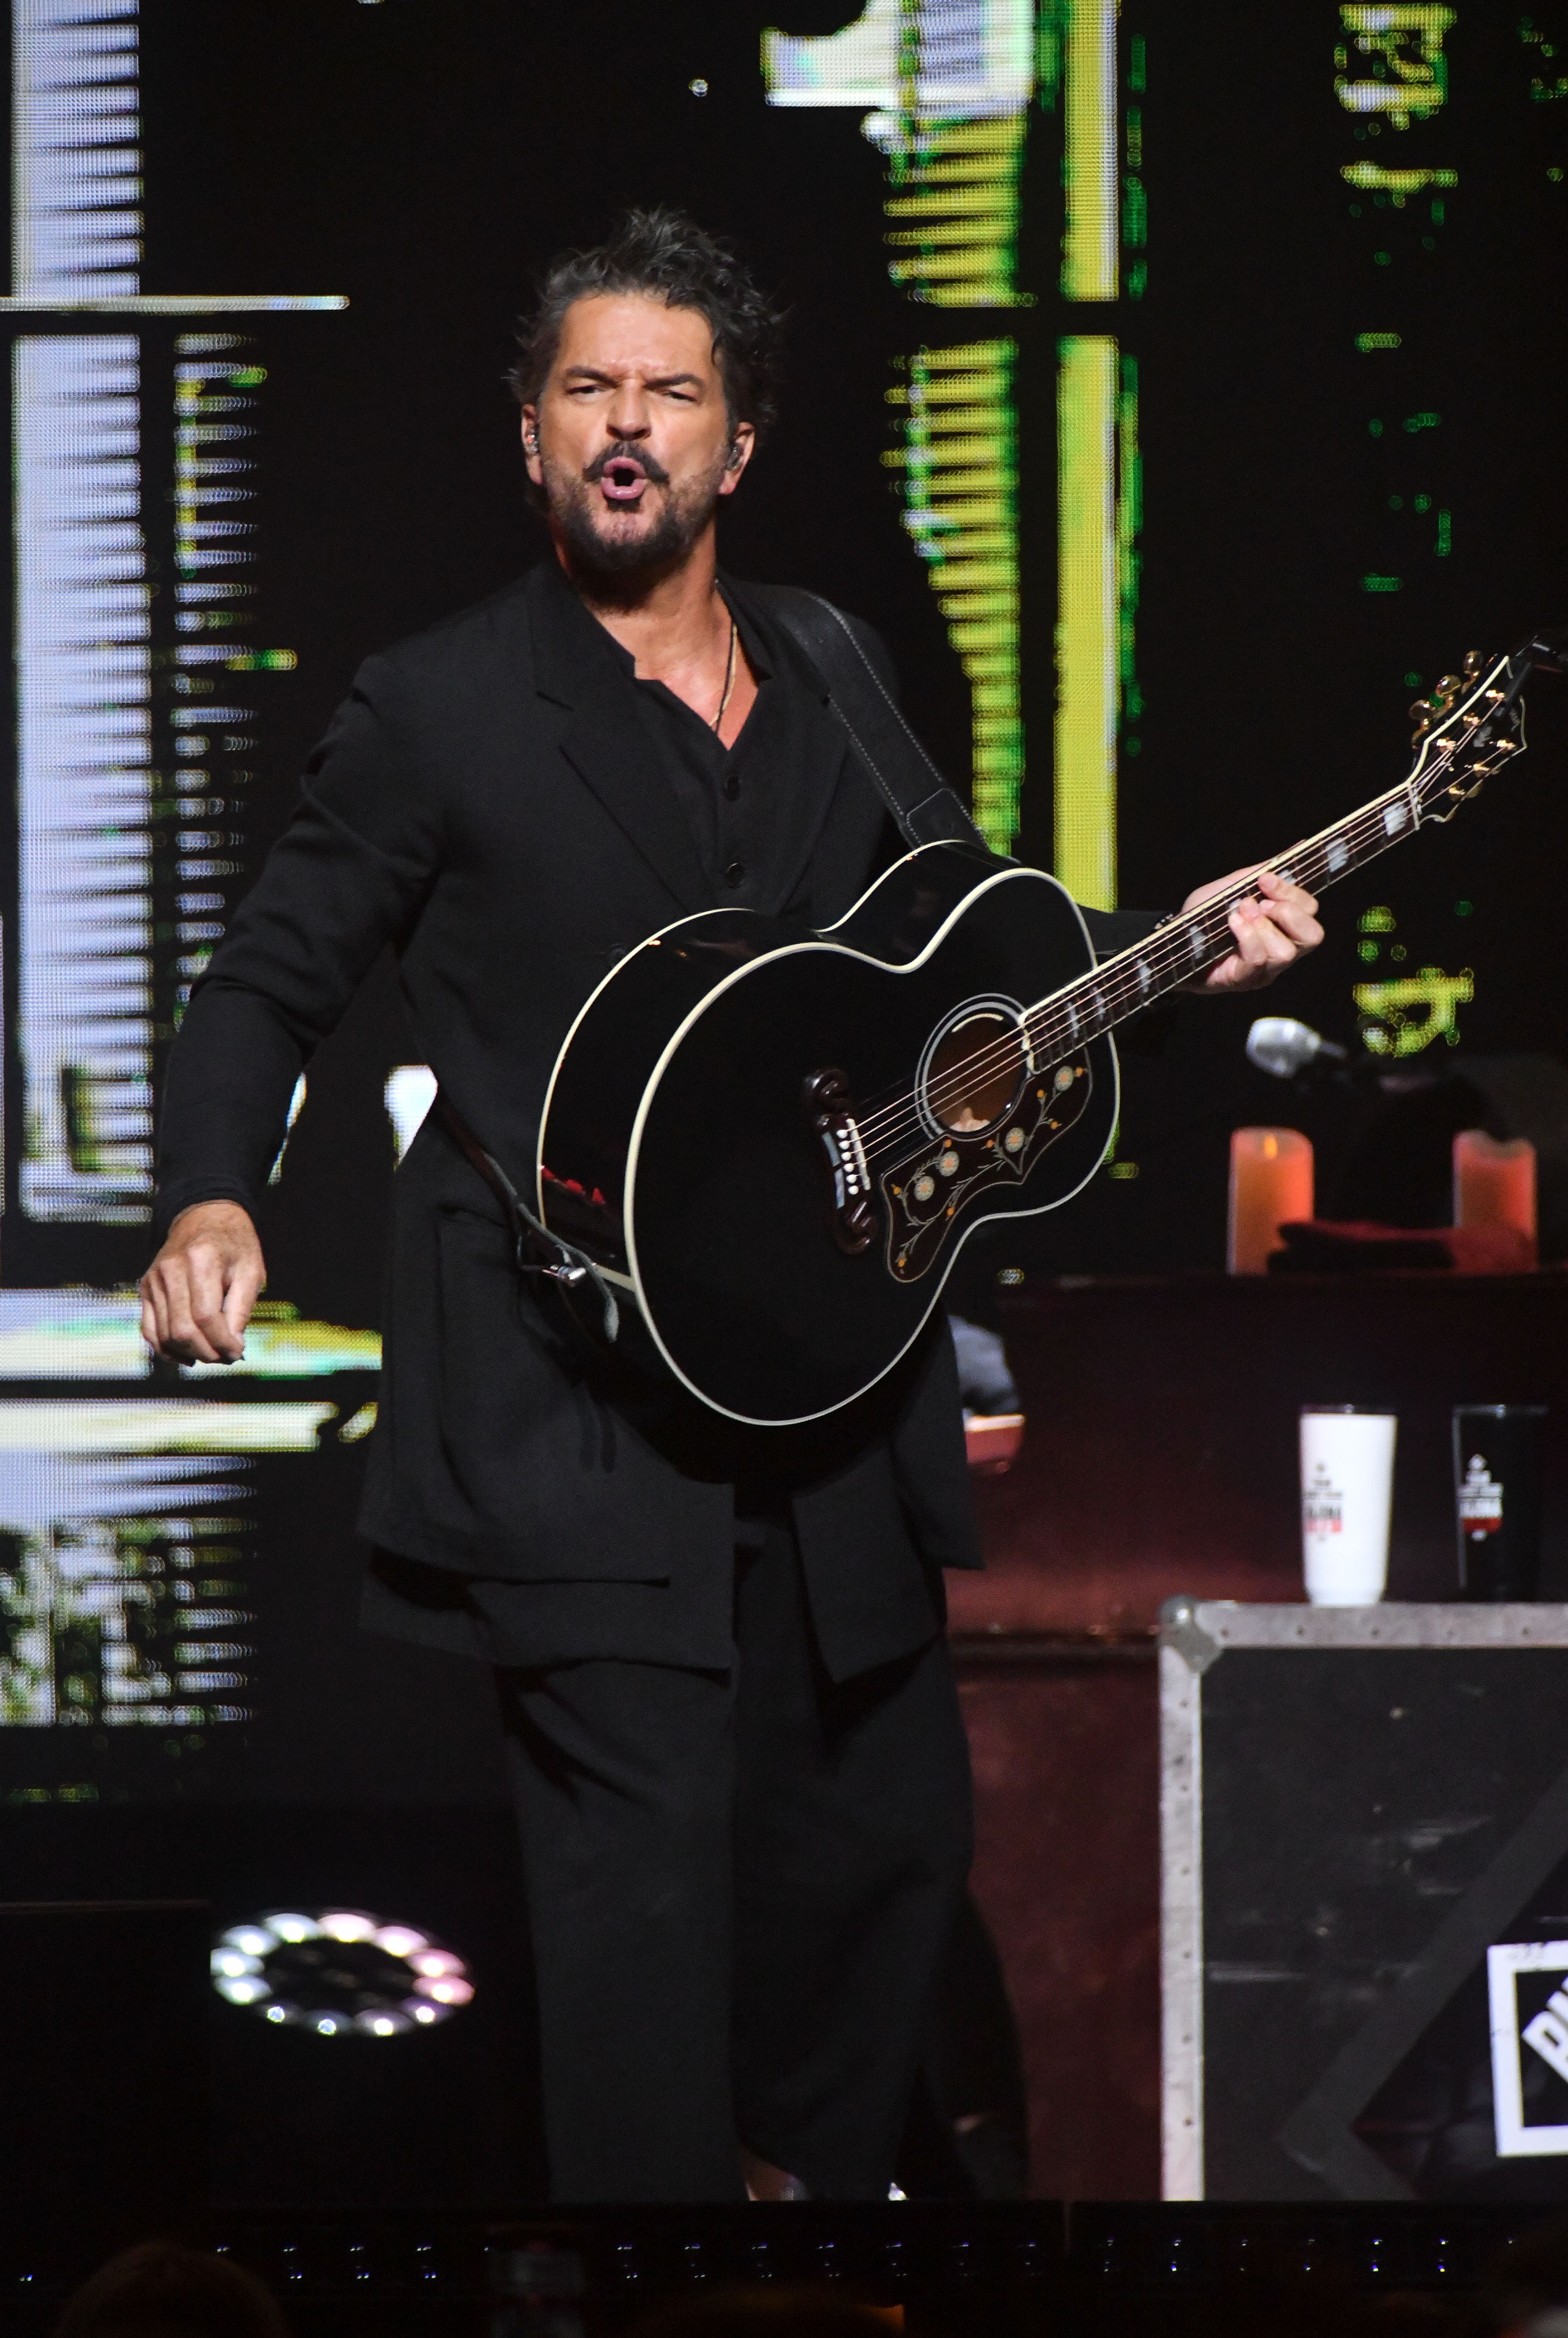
(1281, 1046)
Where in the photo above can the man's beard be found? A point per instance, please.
(627, 564)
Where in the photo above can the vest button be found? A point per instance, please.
(731, 784)
(734, 873)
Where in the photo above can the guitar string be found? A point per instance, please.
(1170, 956)
(1169, 953)
(1058, 1028)
(902, 1117)
(893, 1124)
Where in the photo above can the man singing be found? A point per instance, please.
(735, 1745)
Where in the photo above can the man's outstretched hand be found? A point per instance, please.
(198, 1293)
(1273, 929)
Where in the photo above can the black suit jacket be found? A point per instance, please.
(487, 801)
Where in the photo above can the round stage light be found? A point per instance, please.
(399, 1940)
(291, 1927)
(344, 1924)
(340, 1972)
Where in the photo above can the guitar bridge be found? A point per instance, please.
(853, 1218)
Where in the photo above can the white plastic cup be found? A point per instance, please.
(1346, 1496)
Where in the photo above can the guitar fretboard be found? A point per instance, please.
(1200, 936)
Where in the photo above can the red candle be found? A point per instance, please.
(1271, 1186)
(1493, 1182)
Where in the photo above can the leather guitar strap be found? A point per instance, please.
(925, 807)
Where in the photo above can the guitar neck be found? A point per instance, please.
(1195, 939)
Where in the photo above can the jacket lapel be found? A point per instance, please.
(604, 740)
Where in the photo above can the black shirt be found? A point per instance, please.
(740, 803)
(725, 792)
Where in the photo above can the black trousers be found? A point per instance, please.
(741, 1886)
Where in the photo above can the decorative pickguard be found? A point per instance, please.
(926, 1193)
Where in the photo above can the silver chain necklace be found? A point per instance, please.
(729, 681)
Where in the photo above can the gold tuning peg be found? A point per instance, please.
(1474, 662)
(1425, 712)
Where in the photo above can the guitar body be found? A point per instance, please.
(777, 1141)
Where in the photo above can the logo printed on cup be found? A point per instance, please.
(1498, 1499)
(1480, 1500)
(1322, 1505)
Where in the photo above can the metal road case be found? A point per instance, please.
(1364, 1818)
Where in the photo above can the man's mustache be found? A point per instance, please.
(647, 462)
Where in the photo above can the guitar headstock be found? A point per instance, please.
(1474, 724)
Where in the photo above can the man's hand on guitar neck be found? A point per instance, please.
(198, 1293)
(1273, 927)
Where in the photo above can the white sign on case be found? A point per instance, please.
(1545, 2034)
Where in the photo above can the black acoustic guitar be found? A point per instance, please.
(775, 1141)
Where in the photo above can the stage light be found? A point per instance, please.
(399, 1940)
(451, 1991)
(383, 2025)
(343, 1924)
(340, 1972)
(294, 1928)
(433, 1962)
(249, 1940)
(229, 1963)
(250, 1989)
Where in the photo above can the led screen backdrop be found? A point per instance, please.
(1177, 389)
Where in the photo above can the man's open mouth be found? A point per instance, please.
(622, 479)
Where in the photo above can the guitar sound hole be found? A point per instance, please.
(974, 1074)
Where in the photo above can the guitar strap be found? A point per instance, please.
(536, 1249)
(925, 807)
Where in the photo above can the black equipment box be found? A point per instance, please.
(1364, 1817)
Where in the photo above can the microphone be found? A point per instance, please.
(1281, 1046)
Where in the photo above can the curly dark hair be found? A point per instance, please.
(664, 253)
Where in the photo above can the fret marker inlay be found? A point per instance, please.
(1337, 855)
(1394, 818)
